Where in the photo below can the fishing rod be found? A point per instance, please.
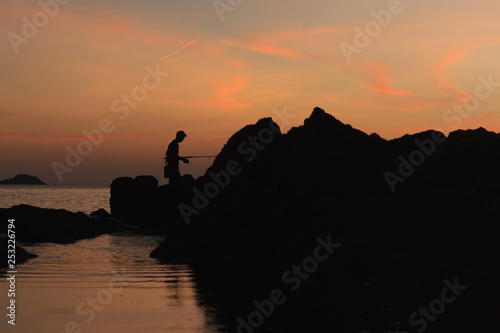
(194, 157)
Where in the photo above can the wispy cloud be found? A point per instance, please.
(379, 75)
(438, 73)
(262, 48)
(440, 69)
(269, 43)
(225, 94)
(304, 33)
(32, 137)
(180, 48)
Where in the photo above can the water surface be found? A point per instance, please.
(106, 284)
(85, 199)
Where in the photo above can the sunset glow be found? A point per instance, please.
(223, 75)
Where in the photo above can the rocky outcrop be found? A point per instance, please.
(141, 202)
(328, 176)
(408, 212)
(100, 213)
(40, 225)
(129, 195)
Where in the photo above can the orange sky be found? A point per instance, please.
(224, 74)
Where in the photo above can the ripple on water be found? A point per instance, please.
(73, 198)
(145, 295)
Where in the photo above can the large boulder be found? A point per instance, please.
(133, 199)
(327, 178)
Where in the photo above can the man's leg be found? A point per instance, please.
(175, 177)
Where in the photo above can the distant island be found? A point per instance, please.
(22, 180)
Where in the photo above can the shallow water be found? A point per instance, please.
(106, 284)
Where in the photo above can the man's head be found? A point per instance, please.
(180, 136)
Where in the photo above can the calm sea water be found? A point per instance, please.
(105, 284)
(85, 199)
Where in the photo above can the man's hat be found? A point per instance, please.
(181, 134)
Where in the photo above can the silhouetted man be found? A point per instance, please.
(173, 158)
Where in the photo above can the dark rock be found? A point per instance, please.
(21, 254)
(122, 196)
(100, 213)
(327, 178)
(146, 184)
(39, 225)
(132, 197)
(232, 150)
(142, 203)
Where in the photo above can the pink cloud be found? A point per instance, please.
(226, 89)
(440, 68)
(301, 33)
(381, 77)
(111, 23)
(438, 72)
(268, 43)
(179, 49)
(59, 138)
(224, 98)
(377, 77)
(262, 48)
(104, 26)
